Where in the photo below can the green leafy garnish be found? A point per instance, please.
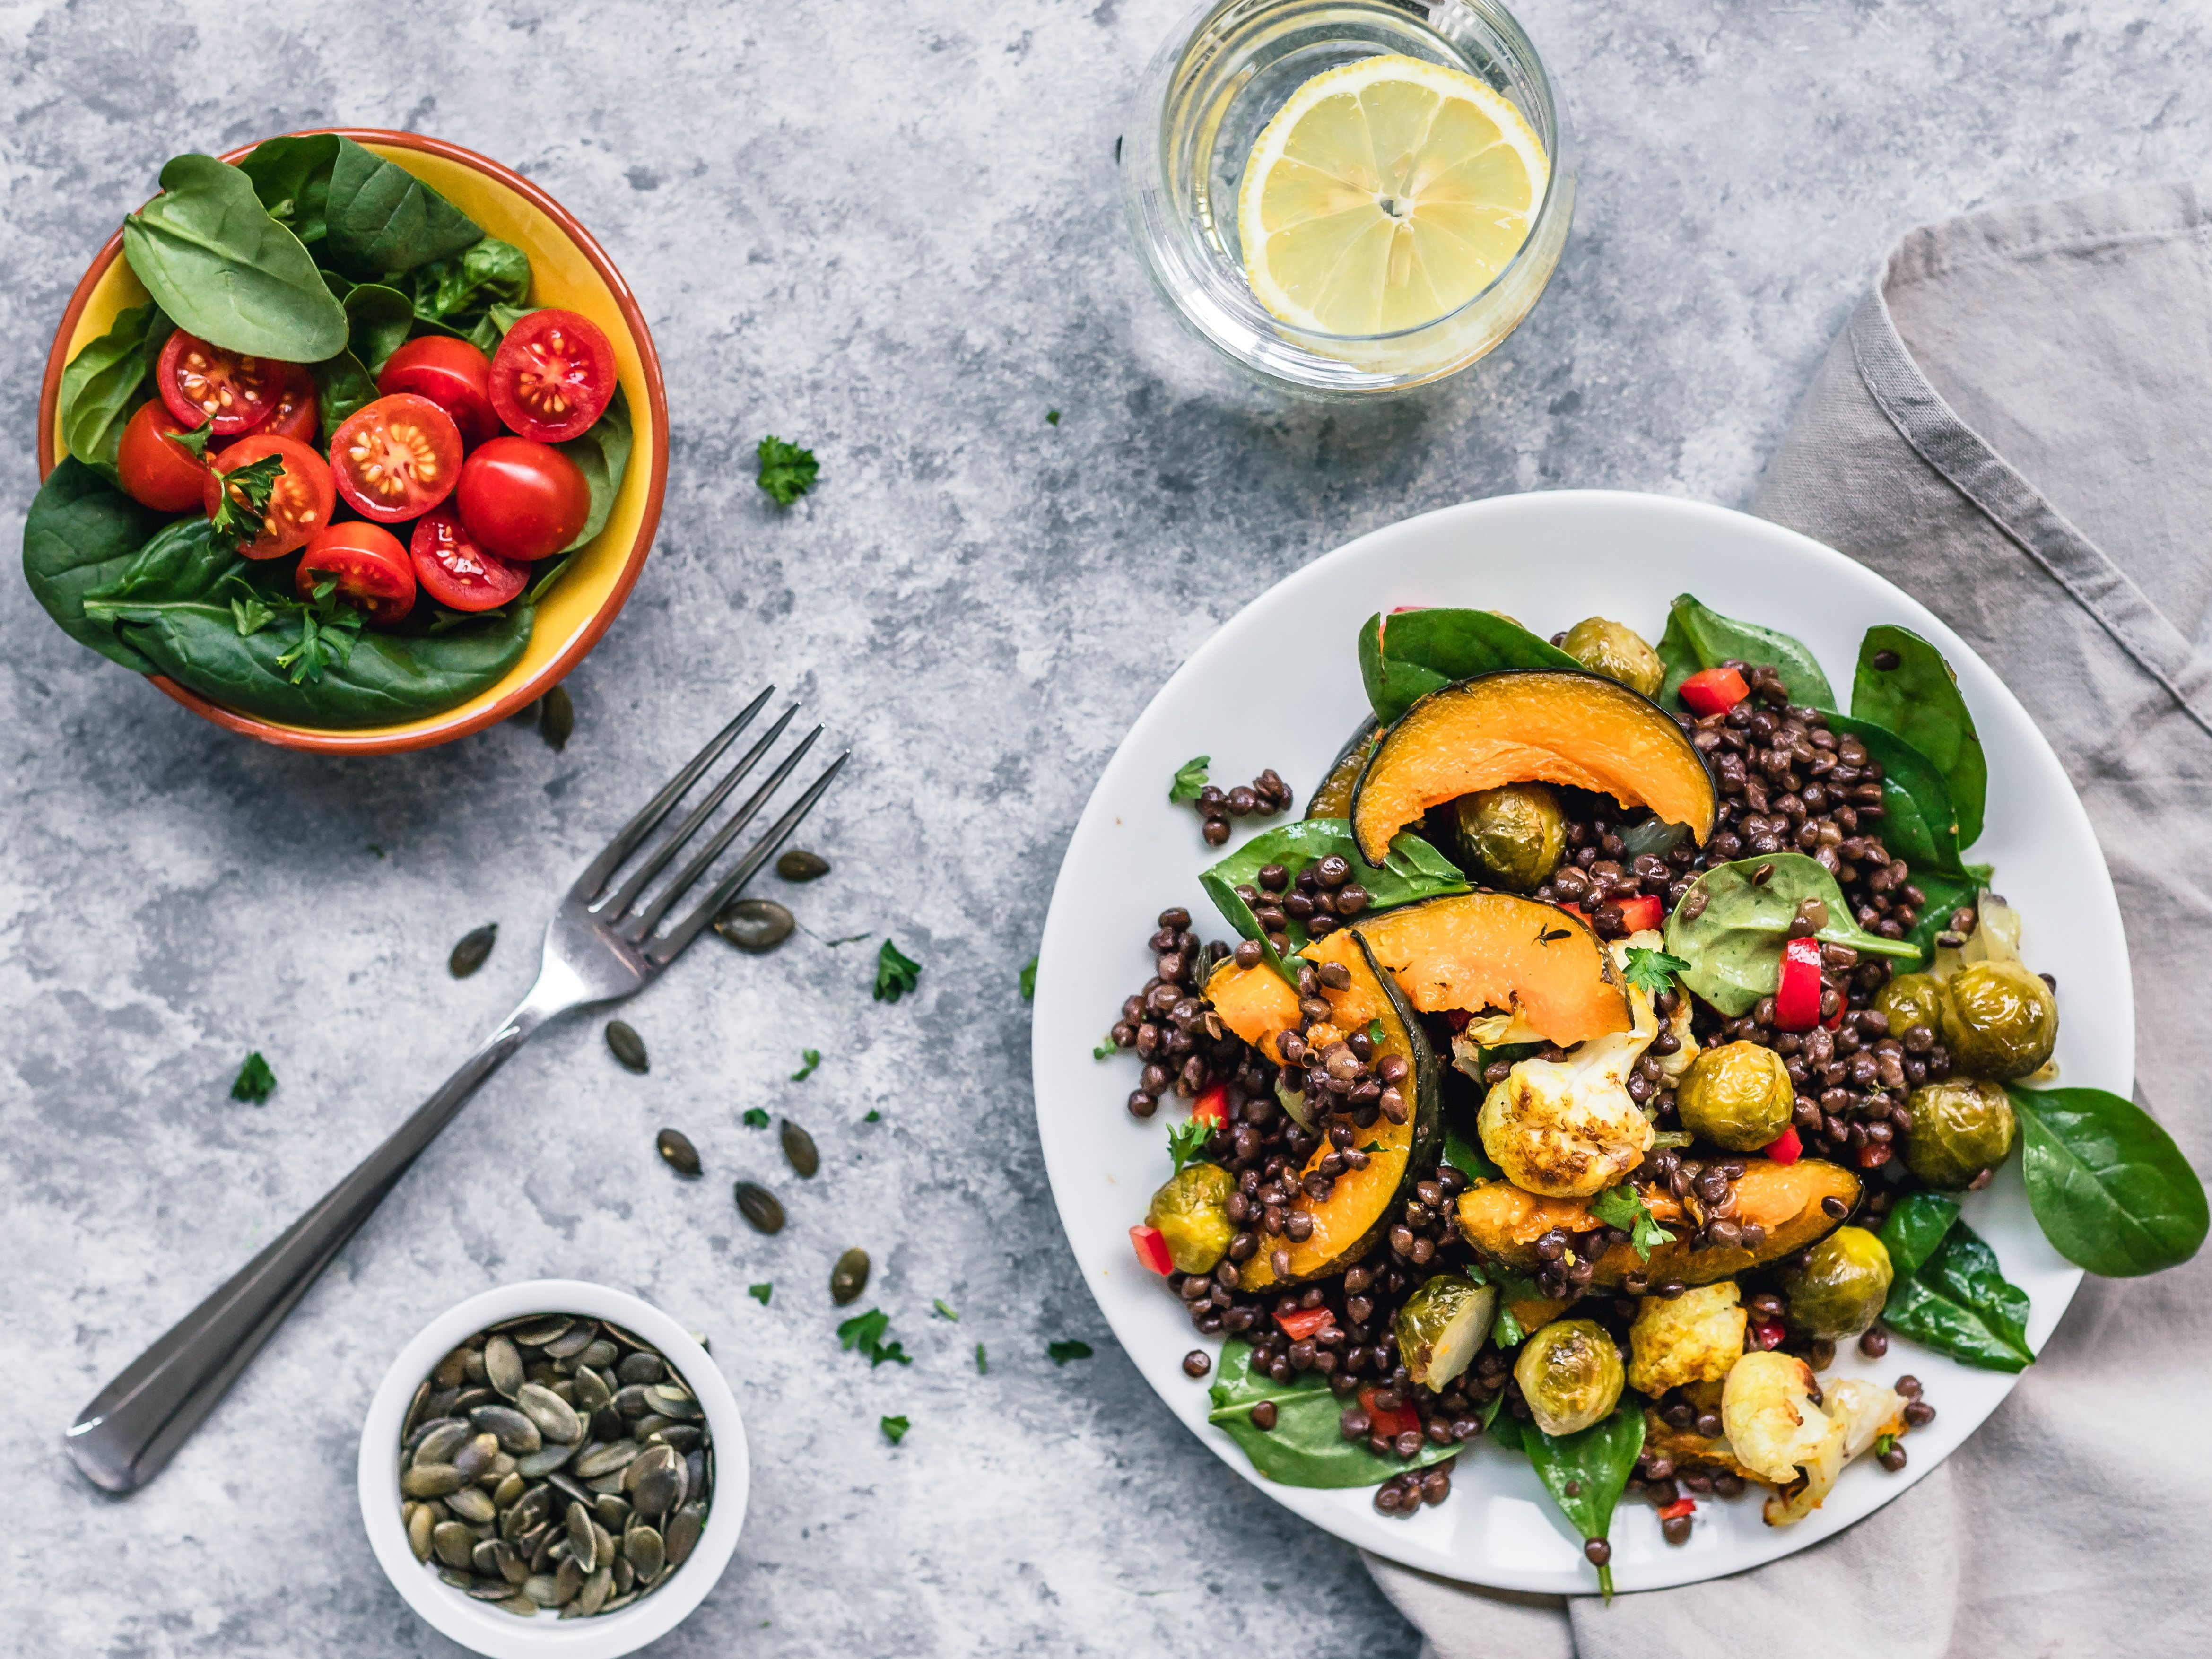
(195, 442)
(1623, 1206)
(1065, 1349)
(1306, 1447)
(1949, 1293)
(329, 630)
(1653, 972)
(1104, 1049)
(895, 974)
(1916, 696)
(1186, 1141)
(760, 1293)
(756, 1117)
(813, 1058)
(786, 471)
(865, 1333)
(255, 1080)
(1411, 870)
(251, 616)
(982, 1361)
(242, 504)
(872, 1116)
(1052, 417)
(1190, 779)
(1028, 980)
(1375, 1031)
(1587, 1472)
(1884, 1445)
(1410, 654)
(2109, 1187)
(940, 1305)
(895, 1429)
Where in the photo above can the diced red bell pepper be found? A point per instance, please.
(1304, 1322)
(1151, 1249)
(1797, 997)
(1786, 1148)
(1714, 690)
(1767, 1333)
(1678, 1509)
(1212, 1106)
(1644, 911)
(1390, 1424)
(1576, 911)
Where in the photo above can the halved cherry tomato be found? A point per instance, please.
(1151, 1247)
(156, 472)
(1304, 1322)
(201, 382)
(299, 505)
(396, 458)
(453, 374)
(371, 568)
(1714, 690)
(1646, 910)
(295, 414)
(457, 573)
(521, 499)
(554, 375)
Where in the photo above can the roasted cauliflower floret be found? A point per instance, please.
(1772, 1422)
(1569, 1129)
(1864, 1411)
(1697, 1337)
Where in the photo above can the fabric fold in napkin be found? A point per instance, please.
(2015, 427)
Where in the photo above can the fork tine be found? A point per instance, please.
(665, 949)
(616, 907)
(595, 875)
(641, 929)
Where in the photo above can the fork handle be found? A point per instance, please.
(135, 1424)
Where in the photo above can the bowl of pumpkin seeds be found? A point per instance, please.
(553, 1468)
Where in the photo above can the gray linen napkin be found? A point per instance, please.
(2016, 429)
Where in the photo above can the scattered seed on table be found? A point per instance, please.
(629, 1046)
(677, 1150)
(800, 865)
(755, 925)
(759, 1206)
(849, 1277)
(798, 1146)
(558, 720)
(469, 955)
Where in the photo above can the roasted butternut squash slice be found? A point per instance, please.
(1503, 1223)
(1468, 952)
(1520, 726)
(1357, 1213)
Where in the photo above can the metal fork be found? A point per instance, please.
(601, 945)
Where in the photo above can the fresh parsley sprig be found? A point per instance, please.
(241, 506)
(1189, 780)
(865, 1333)
(1187, 1140)
(786, 471)
(255, 1080)
(329, 630)
(1623, 1206)
(896, 973)
(1653, 972)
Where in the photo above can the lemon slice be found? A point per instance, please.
(1385, 194)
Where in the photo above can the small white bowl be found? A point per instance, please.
(485, 1628)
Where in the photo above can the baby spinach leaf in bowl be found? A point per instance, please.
(342, 387)
(2109, 1187)
(1697, 637)
(81, 535)
(104, 383)
(222, 268)
(382, 219)
(603, 455)
(292, 177)
(377, 321)
(1903, 685)
(1732, 924)
(1409, 654)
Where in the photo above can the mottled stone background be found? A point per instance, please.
(891, 231)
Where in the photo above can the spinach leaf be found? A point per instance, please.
(1306, 1447)
(1586, 1472)
(342, 386)
(1949, 1293)
(1696, 638)
(1918, 699)
(384, 220)
(105, 382)
(377, 321)
(1411, 870)
(2109, 1187)
(82, 533)
(1465, 1154)
(603, 453)
(222, 268)
(1945, 893)
(1919, 823)
(1730, 929)
(1410, 654)
(459, 291)
(292, 177)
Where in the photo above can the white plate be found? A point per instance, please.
(1279, 686)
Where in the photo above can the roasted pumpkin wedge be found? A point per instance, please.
(1332, 799)
(1468, 951)
(1533, 724)
(1503, 1223)
(1356, 1214)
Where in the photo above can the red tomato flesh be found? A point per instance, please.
(1304, 1322)
(299, 505)
(453, 374)
(396, 458)
(457, 573)
(369, 565)
(1713, 691)
(1151, 1247)
(156, 472)
(521, 499)
(554, 375)
(201, 383)
(294, 413)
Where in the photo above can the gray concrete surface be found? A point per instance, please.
(892, 232)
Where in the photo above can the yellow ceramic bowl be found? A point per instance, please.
(569, 269)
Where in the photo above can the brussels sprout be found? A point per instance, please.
(1192, 1212)
(1571, 1375)
(1442, 1328)
(1839, 1291)
(1912, 999)
(1999, 1020)
(1513, 835)
(1737, 1096)
(1961, 1127)
(1616, 651)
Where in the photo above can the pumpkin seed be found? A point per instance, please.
(415, 1412)
(554, 1418)
(558, 720)
(502, 1365)
(538, 1587)
(566, 1580)
(469, 955)
(672, 1401)
(508, 1492)
(661, 1487)
(431, 1481)
(537, 1464)
(625, 1575)
(755, 926)
(683, 1532)
(643, 1548)
(612, 1510)
(441, 1443)
(420, 1525)
(639, 1368)
(592, 1391)
(537, 1332)
(572, 1341)
(800, 865)
(849, 1277)
(798, 1146)
(629, 1046)
(598, 1354)
(454, 1543)
(683, 1437)
(583, 1541)
(489, 1589)
(520, 1606)
(760, 1206)
(473, 1504)
(473, 1459)
(593, 1595)
(677, 1152)
(605, 1460)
